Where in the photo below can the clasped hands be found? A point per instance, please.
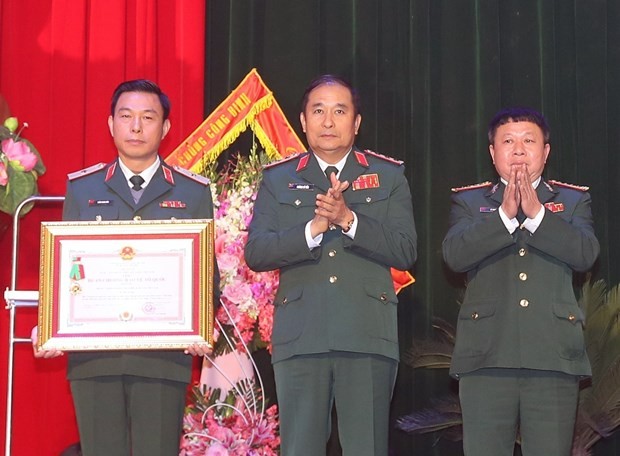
(331, 209)
(520, 193)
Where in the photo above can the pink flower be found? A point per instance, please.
(220, 242)
(227, 263)
(19, 152)
(216, 449)
(4, 177)
(237, 292)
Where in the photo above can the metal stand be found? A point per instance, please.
(14, 300)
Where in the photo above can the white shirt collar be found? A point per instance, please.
(147, 174)
(323, 164)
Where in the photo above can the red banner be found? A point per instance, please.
(252, 105)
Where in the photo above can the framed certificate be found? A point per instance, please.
(126, 285)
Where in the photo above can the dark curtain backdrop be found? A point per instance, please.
(431, 74)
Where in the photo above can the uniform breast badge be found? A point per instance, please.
(300, 186)
(173, 204)
(555, 207)
(366, 181)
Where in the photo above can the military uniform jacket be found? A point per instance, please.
(520, 309)
(104, 194)
(338, 296)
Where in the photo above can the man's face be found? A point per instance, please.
(329, 122)
(516, 143)
(138, 126)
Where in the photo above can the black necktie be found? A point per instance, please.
(137, 182)
(329, 170)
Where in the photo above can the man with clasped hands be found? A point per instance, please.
(333, 220)
(519, 349)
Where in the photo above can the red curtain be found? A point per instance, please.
(60, 61)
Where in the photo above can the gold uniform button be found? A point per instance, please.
(332, 253)
(524, 303)
(333, 279)
(137, 218)
(521, 252)
(475, 316)
(571, 318)
(522, 276)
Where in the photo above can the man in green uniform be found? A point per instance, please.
(132, 402)
(519, 348)
(333, 220)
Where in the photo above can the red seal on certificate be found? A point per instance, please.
(125, 315)
(127, 253)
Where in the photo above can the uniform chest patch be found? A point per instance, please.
(555, 207)
(366, 181)
(94, 202)
(300, 186)
(173, 204)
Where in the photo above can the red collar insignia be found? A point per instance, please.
(110, 172)
(303, 162)
(168, 175)
(361, 159)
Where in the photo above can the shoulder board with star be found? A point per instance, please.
(286, 159)
(193, 176)
(581, 188)
(472, 187)
(383, 157)
(86, 171)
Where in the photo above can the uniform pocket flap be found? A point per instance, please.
(297, 198)
(477, 310)
(568, 311)
(284, 297)
(380, 292)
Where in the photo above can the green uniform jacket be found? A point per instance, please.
(339, 296)
(520, 309)
(104, 194)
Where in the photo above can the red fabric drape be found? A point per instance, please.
(59, 63)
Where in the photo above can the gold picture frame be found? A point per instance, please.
(126, 285)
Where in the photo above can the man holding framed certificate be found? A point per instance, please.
(131, 402)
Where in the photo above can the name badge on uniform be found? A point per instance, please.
(298, 186)
(366, 181)
(92, 202)
(487, 210)
(173, 204)
(555, 207)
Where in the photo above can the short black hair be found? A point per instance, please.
(141, 85)
(518, 114)
(332, 79)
